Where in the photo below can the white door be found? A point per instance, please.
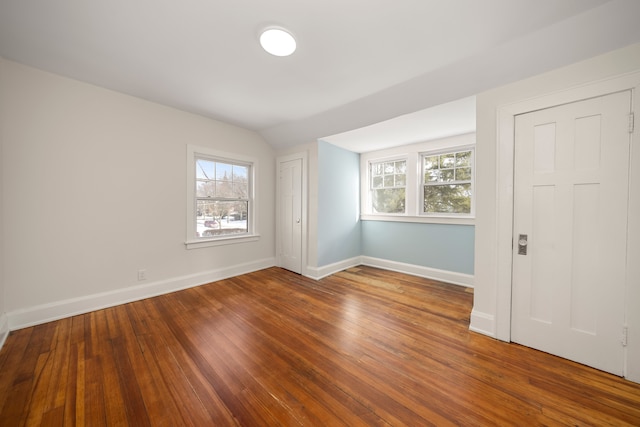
(571, 181)
(290, 215)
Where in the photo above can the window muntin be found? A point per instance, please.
(448, 182)
(222, 198)
(388, 181)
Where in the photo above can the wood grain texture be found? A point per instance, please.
(364, 347)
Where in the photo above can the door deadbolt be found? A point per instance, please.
(522, 244)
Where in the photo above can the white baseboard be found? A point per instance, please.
(420, 271)
(318, 273)
(4, 329)
(414, 270)
(60, 309)
(483, 323)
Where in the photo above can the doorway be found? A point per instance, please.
(291, 213)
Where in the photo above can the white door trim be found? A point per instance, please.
(504, 207)
(305, 229)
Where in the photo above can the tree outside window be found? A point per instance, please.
(447, 182)
(388, 183)
(222, 197)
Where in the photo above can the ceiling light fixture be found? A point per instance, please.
(278, 42)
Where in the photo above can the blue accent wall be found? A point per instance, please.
(441, 246)
(339, 232)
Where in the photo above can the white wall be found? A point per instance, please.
(95, 190)
(486, 312)
(4, 326)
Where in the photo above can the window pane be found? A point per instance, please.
(401, 180)
(463, 174)
(240, 190)
(204, 169)
(463, 158)
(224, 189)
(431, 162)
(377, 182)
(240, 173)
(447, 175)
(447, 198)
(388, 180)
(401, 167)
(389, 168)
(377, 169)
(205, 188)
(224, 171)
(447, 160)
(219, 218)
(388, 200)
(432, 176)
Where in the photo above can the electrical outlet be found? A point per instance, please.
(142, 274)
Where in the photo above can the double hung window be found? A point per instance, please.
(222, 197)
(447, 182)
(430, 182)
(220, 191)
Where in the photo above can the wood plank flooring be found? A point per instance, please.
(364, 347)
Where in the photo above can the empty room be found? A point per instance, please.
(294, 213)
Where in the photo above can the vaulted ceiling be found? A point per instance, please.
(359, 62)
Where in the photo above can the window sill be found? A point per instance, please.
(221, 241)
(421, 219)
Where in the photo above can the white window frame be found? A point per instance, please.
(196, 152)
(370, 187)
(413, 190)
(452, 150)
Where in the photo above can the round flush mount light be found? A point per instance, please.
(278, 42)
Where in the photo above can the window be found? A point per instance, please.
(221, 205)
(222, 197)
(447, 182)
(424, 182)
(388, 182)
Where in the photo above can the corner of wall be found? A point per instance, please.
(4, 329)
(318, 273)
(483, 323)
(4, 322)
(338, 204)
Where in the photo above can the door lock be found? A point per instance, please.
(522, 244)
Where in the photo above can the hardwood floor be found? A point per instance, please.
(362, 347)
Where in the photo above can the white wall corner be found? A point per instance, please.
(633, 370)
(4, 329)
(23, 318)
(318, 273)
(452, 277)
(483, 323)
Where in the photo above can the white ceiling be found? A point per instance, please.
(358, 62)
(452, 118)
